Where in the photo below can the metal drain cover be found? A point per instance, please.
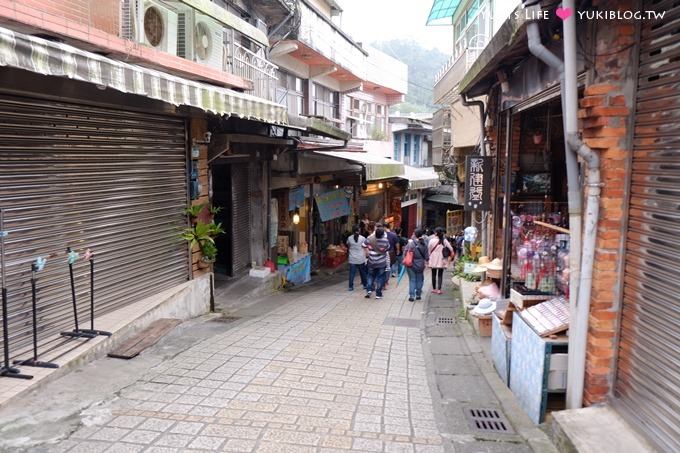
(401, 322)
(488, 420)
(444, 320)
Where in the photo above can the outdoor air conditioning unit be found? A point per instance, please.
(150, 22)
(200, 38)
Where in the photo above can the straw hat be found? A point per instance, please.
(484, 307)
(495, 265)
(483, 260)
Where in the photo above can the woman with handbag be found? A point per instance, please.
(415, 258)
(441, 253)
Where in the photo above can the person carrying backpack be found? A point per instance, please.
(377, 247)
(415, 258)
(441, 253)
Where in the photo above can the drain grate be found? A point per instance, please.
(444, 320)
(225, 319)
(488, 420)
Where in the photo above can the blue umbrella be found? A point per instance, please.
(402, 271)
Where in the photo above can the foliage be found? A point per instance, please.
(458, 269)
(203, 235)
(423, 65)
(194, 211)
(377, 134)
(214, 210)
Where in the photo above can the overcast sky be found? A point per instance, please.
(378, 20)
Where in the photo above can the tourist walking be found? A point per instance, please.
(377, 247)
(357, 258)
(441, 253)
(415, 269)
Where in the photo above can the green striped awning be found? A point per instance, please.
(442, 11)
(62, 60)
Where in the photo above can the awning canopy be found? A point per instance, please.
(376, 167)
(445, 199)
(442, 12)
(62, 60)
(420, 178)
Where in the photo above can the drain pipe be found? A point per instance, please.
(579, 314)
(579, 288)
(482, 152)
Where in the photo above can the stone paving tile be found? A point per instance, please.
(321, 374)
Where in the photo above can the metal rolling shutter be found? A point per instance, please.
(80, 176)
(240, 218)
(648, 379)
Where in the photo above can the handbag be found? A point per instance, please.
(408, 258)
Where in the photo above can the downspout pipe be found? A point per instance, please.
(579, 314)
(580, 284)
(482, 152)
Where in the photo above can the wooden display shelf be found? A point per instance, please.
(552, 227)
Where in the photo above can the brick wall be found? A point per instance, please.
(198, 127)
(606, 115)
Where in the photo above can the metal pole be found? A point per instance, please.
(6, 370)
(507, 231)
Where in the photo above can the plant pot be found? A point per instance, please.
(204, 264)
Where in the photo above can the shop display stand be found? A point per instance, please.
(5, 369)
(77, 332)
(92, 330)
(34, 360)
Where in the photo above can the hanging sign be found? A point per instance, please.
(478, 183)
(296, 198)
(332, 204)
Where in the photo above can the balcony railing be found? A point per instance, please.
(247, 64)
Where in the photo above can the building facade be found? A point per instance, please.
(622, 298)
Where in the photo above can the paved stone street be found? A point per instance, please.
(325, 371)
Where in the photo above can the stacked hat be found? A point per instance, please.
(484, 307)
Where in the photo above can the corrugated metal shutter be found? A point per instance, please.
(240, 218)
(80, 176)
(648, 379)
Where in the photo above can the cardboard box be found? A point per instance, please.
(282, 245)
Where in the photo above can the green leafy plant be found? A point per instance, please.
(214, 210)
(203, 235)
(195, 210)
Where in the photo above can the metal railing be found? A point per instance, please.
(247, 64)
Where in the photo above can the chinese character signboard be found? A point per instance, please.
(332, 204)
(477, 183)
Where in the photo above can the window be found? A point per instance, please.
(407, 147)
(291, 93)
(397, 147)
(326, 101)
(416, 150)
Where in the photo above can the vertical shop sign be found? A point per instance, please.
(477, 183)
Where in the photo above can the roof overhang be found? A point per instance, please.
(50, 58)
(318, 127)
(376, 168)
(420, 178)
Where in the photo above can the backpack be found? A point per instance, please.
(446, 252)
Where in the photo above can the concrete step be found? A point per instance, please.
(596, 429)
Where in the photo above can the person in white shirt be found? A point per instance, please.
(357, 258)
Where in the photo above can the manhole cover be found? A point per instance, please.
(488, 420)
(225, 319)
(401, 322)
(444, 320)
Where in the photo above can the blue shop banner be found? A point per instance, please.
(296, 198)
(300, 272)
(332, 204)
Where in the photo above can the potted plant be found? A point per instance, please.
(202, 235)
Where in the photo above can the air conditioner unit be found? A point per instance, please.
(200, 38)
(159, 26)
